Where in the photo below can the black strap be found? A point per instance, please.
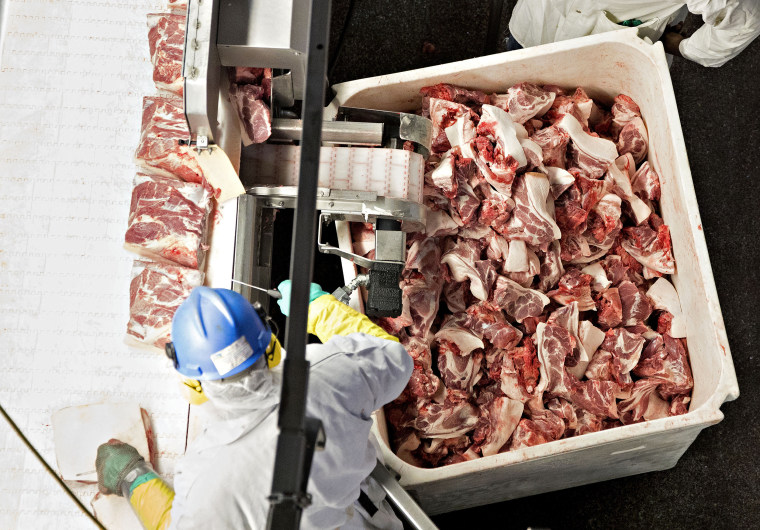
(367, 504)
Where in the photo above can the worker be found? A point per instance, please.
(730, 25)
(225, 477)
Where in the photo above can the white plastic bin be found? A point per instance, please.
(604, 65)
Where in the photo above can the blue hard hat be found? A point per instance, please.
(216, 333)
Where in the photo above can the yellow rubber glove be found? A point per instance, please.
(152, 502)
(329, 317)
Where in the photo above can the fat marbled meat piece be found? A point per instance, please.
(166, 38)
(168, 220)
(543, 258)
(159, 150)
(155, 293)
(250, 89)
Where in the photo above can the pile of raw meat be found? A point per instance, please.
(535, 304)
(168, 225)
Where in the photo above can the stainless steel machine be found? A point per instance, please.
(272, 34)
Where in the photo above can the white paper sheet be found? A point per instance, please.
(72, 78)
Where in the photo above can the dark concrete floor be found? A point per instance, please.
(716, 484)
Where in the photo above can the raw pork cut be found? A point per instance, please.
(250, 89)
(543, 238)
(159, 150)
(155, 293)
(166, 37)
(167, 220)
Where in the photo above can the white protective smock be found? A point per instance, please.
(226, 475)
(730, 25)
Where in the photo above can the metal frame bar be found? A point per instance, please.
(295, 443)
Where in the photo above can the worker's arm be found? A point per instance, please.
(122, 471)
(730, 27)
(329, 317)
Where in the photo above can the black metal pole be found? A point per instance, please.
(294, 449)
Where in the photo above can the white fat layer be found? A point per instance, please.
(517, 261)
(461, 131)
(640, 209)
(601, 282)
(444, 171)
(597, 147)
(505, 132)
(626, 164)
(537, 185)
(559, 179)
(664, 297)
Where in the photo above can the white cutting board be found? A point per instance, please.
(78, 431)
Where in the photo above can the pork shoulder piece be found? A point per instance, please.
(574, 286)
(622, 187)
(553, 143)
(591, 154)
(646, 183)
(459, 370)
(634, 139)
(625, 346)
(531, 221)
(473, 98)
(166, 38)
(587, 422)
(643, 404)
(464, 263)
(528, 433)
(447, 420)
(167, 220)
(554, 344)
(604, 216)
(609, 309)
(253, 113)
(635, 306)
(443, 114)
(489, 323)
(159, 151)
(624, 110)
(524, 101)
(423, 384)
(155, 293)
(652, 249)
(567, 317)
(564, 410)
(422, 295)
(520, 372)
(596, 397)
(424, 256)
(517, 301)
(551, 267)
(498, 420)
(458, 336)
(665, 360)
(663, 296)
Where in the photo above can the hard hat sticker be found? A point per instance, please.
(229, 358)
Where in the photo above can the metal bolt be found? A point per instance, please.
(282, 203)
(193, 72)
(332, 204)
(195, 44)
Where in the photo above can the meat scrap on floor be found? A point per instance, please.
(529, 302)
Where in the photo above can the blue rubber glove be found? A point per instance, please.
(314, 292)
